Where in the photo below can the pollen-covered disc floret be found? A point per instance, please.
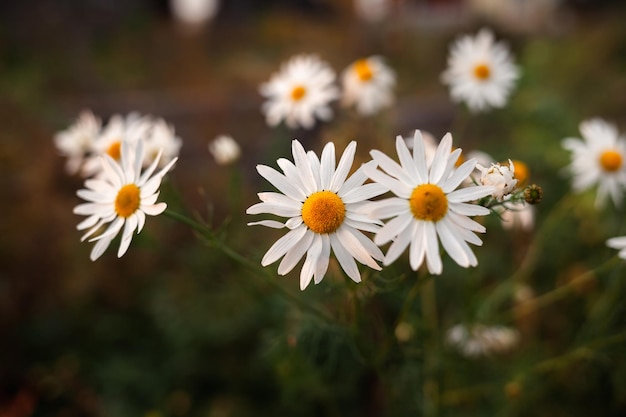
(599, 158)
(120, 197)
(427, 207)
(367, 84)
(480, 71)
(300, 92)
(322, 206)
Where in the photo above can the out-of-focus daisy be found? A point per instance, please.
(427, 206)
(480, 71)
(481, 340)
(618, 243)
(368, 85)
(224, 149)
(120, 197)
(322, 208)
(76, 141)
(300, 92)
(194, 12)
(133, 128)
(501, 177)
(599, 158)
(162, 138)
(372, 10)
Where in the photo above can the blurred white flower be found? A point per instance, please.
(480, 340)
(300, 92)
(372, 10)
(480, 71)
(76, 141)
(122, 196)
(499, 176)
(599, 158)
(518, 215)
(132, 128)
(194, 12)
(161, 138)
(618, 243)
(368, 85)
(225, 150)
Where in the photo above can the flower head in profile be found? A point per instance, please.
(120, 197)
(480, 340)
(598, 159)
(501, 177)
(480, 71)
(427, 207)
(76, 141)
(300, 92)
(322, 206)
(368, 85)
(161, 138)
(131, 128)
(224, 149)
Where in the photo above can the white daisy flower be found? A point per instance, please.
(518, 215)
(76, 141)
(300, 92)
(323, 210)
(618, 243)
(368, 85)
(225, 149)
(427, 205)
(161, 138)
(598, 159)
(120, 197)
(132, 128)
(480, 72)
(499, 176)
(481, 340)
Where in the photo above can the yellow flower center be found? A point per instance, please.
(428, 202)
(323, 212)
(611, 160)
(298, 93)
(363, 70)
(115, 150)
(521, 172)
(482, 72)
(127, 200)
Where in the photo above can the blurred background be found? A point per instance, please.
(175, 329)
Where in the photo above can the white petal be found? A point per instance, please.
(310, 263)
(294, 254)
(322, 263)
(345, 259)
(343, 168)
(393, 228)
(470, 193)
(417, 251)
(282, 245)
(129, 227)
(433, 259)
(327, 167)
(268, 223)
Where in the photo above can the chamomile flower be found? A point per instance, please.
(368, 85)
(480, 71)
(618, 243)
(501, 177)
(323, 211)
(427, 206)
(120, 197)
(598, 159)
(161, 138)
(300, 92)
(76, 141)
(131, 128)
(480, 340)
(224, 149)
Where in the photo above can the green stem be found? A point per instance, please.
(215, 242)
(431, 347)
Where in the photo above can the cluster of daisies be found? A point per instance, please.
(421, 200)
(124, 163)
(304, 88)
